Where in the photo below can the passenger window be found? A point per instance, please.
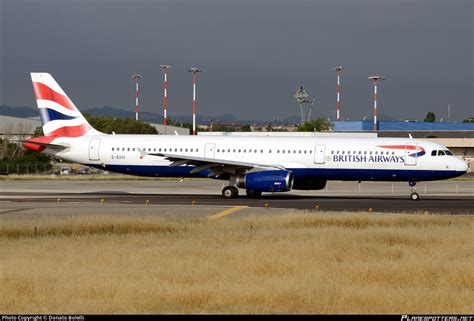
(278, 151)
(112, 149)
(305, 152)
(283, 151)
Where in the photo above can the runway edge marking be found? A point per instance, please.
(226, 212)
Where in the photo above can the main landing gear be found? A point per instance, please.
(230, 192)
(414, 195)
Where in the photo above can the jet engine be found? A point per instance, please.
(266, 181)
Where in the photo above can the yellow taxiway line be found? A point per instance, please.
(225, 212)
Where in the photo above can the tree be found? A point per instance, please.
(15, 159)
(107, 124)
(468, 120)
(318, 125)
(245, 128)
(430, 117)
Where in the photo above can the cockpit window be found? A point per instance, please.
(448, 152)
(441, 152)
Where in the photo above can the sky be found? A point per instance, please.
(253, 55)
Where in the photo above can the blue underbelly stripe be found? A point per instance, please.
(299, 173)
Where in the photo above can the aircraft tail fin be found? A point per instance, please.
(59, 116)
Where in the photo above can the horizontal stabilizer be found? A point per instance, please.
(40, 146)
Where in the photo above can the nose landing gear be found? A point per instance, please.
(414, 195)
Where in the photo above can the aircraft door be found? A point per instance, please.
(411, 149)
(209, 150)
(94, 149)
(319, 152)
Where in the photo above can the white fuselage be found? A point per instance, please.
(391, 159)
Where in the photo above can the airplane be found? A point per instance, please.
(256, 164)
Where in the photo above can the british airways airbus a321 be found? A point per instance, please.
(256, 164)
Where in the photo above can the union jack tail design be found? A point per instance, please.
(59, 115)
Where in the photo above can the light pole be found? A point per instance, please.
(194, 71)
(136, 77)
(165, 91)
(338, 101)
(375, 80)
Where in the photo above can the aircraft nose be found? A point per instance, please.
(461, 166)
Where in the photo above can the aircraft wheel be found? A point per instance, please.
(253, 193)
(414, 196)
(229, 192)
(236, 191)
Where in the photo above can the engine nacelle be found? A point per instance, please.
(309, 184)
(267, 181)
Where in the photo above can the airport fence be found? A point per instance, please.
(26, 169)
(47, 169)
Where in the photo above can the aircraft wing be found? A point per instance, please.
(217, 166)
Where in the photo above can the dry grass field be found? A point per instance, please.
(294, 263)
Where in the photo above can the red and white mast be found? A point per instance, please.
(375, 80)
(338, 101)
(136, 77)
(165, 91)
(194, 71)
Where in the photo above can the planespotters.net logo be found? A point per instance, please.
(438, 318)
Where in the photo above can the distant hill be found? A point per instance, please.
(23, 112)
